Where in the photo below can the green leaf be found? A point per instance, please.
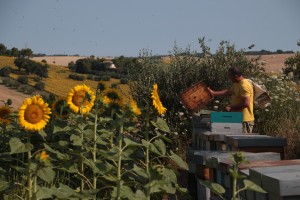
(104, 168)
(3, 185)
(214, 187)
(129, 142)
(140, 195)
(77, 141)
(140, 171)
(126, 193)
(163, 137)
(145, 143)
(178, 160)
(42, 133)
(161, 125)
(110, 177)
(44, 193)
(158, 147)
(59, 129)
(16, 146)
(249, 185)
(57, 153)
(46, 173)
(236, 174)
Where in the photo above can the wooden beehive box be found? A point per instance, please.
(195, 97)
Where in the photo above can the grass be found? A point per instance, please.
(58, 82)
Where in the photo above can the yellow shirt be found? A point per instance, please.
(243, 89)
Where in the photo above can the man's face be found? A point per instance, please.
(232, 77)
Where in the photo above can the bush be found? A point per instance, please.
(23, 79)
(97, 78)
(114, 85)
(37, 79)
(77, 77)
(5, 71)
(123, 80)
(39, 86)
(90, 77)
(105, 78)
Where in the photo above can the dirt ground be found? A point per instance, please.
(16, 97)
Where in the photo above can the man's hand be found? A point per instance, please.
(228, 108)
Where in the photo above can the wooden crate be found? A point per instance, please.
(195, 97)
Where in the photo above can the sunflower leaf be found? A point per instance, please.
(16, 146)
(161, 125)
(46, 173)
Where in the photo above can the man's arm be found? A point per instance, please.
(244, 104)
(225, 92)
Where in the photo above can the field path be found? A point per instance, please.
(16, 97)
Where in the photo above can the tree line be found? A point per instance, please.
(15, 52)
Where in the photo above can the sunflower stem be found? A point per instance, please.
(147, 154)
(120, 140)
(29, 173)
(94, 151)
(81, 159)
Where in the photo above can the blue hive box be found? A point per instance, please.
(226, 117)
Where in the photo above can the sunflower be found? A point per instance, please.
(114, 96)
(34, 113)
(4, 115)
(60, 108)
(106, 100)
(81, 99)
(134, 108)
(44, 155)
(156, 101)
(101, 86)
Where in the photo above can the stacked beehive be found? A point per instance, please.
(215, 137)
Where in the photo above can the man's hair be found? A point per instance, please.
(235, 71)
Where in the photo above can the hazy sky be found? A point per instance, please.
(124, 27)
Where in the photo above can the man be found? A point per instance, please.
(241, 94)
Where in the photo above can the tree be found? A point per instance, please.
(3, 49)
(83, 66)
(292, 66)
(26, 52)
(15, 52)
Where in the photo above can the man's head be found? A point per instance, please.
(235, 74)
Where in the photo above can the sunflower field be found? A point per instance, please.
(88, 145)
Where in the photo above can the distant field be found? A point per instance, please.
(58, 82)
(61, 60)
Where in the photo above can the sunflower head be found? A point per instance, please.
(134, 108)
(4, 115)
(44, 156)
(81, 99)
(34, 113)
(156, 101)
(60, 108)
(113, 97)
(101, 86)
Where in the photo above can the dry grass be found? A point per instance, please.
(58, 82)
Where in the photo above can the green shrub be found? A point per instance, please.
(97, 78)
(23, 79)
(123, 80)
(105, 78)
(114, 85)
(77, 77)
(39, 86)
(37, 79)
(90, 77)
(5, 71)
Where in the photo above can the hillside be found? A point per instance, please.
(59, 83)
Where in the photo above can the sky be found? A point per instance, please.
(125, 28)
